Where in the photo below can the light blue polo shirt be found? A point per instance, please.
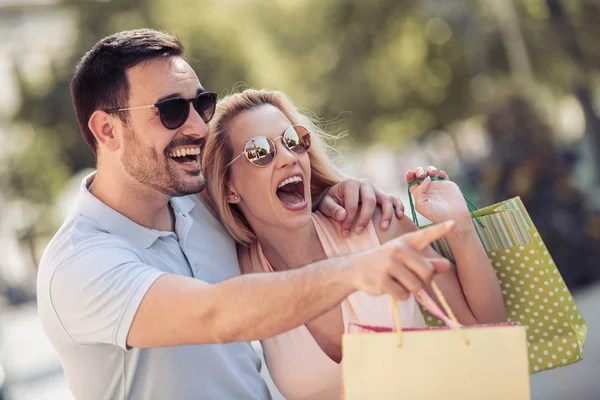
(91, 280)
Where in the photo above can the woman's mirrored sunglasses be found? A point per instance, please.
(261, 150)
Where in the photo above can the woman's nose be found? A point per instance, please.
(284, 156)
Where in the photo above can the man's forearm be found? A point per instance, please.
(179, 310)
(258, 306)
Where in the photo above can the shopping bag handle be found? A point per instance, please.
(430, 305)
(470, 205)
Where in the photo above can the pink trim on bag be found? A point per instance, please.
(359, 328)
(431, 306)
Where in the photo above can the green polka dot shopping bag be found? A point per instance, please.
(534, 292)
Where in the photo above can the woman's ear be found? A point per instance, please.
(103, 126)
(232, 196)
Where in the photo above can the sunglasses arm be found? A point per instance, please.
(234, 160)
(133, 108)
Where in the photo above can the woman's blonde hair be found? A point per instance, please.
(218, 153)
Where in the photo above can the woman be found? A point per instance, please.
(261, 160)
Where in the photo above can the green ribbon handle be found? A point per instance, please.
(472, 207)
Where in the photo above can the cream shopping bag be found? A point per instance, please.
(455, 362)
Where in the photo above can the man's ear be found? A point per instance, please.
(232, 195)
(104, 127)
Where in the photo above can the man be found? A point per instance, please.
(139, 290)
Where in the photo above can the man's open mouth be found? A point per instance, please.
(291, 191)
(187, 155)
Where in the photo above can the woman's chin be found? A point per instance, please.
(296, 219)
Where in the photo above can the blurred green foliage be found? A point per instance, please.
(396, 69)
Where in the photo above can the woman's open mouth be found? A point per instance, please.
(291, 193)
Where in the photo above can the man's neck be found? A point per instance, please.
(139, 203)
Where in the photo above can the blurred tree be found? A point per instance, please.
(526, 163)
(55, 149)
(582, 82)
(51, 148)
(400, 68)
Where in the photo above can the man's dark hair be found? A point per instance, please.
(100, 80)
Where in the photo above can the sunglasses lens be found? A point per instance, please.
(205, 105)
(260, 151)
(297, 139)
(173, 113)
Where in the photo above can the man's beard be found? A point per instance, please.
(154, 170)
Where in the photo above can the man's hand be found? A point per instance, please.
(399, 268)
(343, 200)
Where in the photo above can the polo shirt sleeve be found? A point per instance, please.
(96, 292)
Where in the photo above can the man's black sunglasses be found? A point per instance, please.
(174, 112)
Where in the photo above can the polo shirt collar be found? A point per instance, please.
(116, 223)
(182, 205)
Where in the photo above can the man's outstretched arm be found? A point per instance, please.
(178, 310)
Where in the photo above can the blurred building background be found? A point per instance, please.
(502, 94)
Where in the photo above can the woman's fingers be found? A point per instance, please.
(419, 172)
(410, 176)
(425, 185)
(432, 171)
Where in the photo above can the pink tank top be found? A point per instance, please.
(298, 366)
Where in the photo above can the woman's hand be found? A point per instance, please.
(472, 289)
(437, 201)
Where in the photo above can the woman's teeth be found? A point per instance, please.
(293, 179)
(291, 192)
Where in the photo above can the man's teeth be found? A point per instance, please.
(189, 151)
(293, 179)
